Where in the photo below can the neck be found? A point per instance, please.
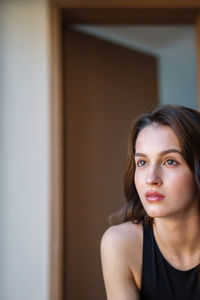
(179, 234)
(179, 240)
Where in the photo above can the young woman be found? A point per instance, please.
(154, 253)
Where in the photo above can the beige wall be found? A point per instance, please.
(24, 150)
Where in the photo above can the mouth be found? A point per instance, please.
(152, 196)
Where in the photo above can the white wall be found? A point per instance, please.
(178, 71)
(24, 150)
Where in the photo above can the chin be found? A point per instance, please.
(155, 213)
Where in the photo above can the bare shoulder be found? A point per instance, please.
(125, 235)
(121, 250)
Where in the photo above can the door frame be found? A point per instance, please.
(94, 12)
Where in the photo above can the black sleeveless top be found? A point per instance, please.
(160, 280)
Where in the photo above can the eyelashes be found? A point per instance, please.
(168, 162)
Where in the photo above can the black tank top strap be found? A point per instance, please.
(149, 280)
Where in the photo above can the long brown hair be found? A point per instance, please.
(185, 122)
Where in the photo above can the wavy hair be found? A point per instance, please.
(185, 122)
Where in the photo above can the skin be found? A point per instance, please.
(160, 166)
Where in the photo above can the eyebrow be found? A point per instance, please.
(161, 153)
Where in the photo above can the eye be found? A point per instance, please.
(141, 163)
(171, 162)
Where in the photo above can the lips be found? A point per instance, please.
(153, 196)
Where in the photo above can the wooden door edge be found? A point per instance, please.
(56, 156)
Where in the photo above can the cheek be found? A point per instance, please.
(182, 185)
(184, 179)
(189, 185)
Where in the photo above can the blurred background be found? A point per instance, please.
(110, 74)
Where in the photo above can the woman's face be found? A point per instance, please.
(163, 180)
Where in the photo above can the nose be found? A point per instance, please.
(153, 176)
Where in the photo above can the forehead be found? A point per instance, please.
(157, 138)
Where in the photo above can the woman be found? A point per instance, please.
(154, 252)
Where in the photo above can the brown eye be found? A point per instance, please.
(141, 163)
(171, 162)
